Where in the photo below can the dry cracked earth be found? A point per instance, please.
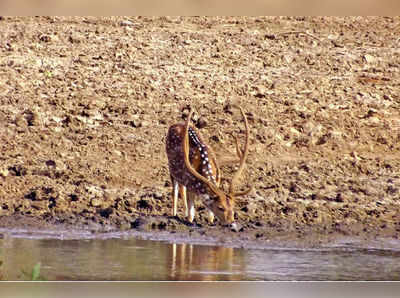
(85, 104)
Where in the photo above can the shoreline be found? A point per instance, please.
(29, 228)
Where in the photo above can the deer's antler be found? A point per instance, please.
(242, 154)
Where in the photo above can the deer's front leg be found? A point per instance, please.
(190, 211)
(208, 203)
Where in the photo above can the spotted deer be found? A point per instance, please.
(193, 167)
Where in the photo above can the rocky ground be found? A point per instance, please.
(85, 104)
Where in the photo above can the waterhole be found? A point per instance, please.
(127, 258)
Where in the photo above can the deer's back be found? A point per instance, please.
(200, 156)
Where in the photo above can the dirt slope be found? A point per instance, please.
(85, 104)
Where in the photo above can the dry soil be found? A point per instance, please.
(85, 104)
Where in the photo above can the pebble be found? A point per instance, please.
(126, 23)
(95, 202)
(235, 227)
(369, 58)
(4, 172)
(145, 123)
(157, 195)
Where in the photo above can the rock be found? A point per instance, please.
(20, 121)
(374, 120)
(145, 123)
(95, 190)
(96, 202)
(158, 195)
(220, 100)
(57, 119)
(294, 131)
(98, 116)
(4, 172)
(236, 227)
(134, 122)
(369, 58)
(126, 23)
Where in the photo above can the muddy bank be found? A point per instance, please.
(86, 103)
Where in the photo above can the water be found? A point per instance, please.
(132, 259)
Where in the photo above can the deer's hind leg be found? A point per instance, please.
(187, 197)
(188, 201)
(183, 195)
(175, 186)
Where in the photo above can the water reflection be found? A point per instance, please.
(131, 259)
(117, 259)
(205, 263)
